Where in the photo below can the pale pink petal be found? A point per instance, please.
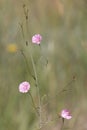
(68, 117)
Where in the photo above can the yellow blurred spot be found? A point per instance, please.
(12, 48)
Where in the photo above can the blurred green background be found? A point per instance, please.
(63, 26)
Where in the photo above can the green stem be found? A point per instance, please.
(36, 79)
(62, 126)
(33, 102)
(27, 64)
(22, 31)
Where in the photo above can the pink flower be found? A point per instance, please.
(36, 39)
(66, 114)
(24, 87)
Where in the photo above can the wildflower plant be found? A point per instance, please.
(25, 87)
